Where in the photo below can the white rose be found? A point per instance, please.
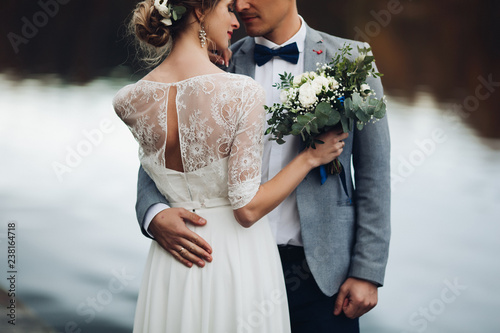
(312, 75)
(360, 58)
(307, 95)
(297, 80)
(363, 88)
(319, 83)
(284, 96)
(334, 85)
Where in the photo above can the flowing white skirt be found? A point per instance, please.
(242, 290)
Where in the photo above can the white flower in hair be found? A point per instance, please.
(164, 9)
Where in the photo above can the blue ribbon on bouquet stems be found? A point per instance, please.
(324, 175)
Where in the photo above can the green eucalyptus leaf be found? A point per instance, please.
(296, 129)
(360, 125)
(314, 126)
(321, 119)
(380, 110)
(323, 114)
(324, 108)
(372, 101)
(361, 115)
(345, 123)
(356, 99)
(334, 118)
(180, 9)
(302, 120)
(348, 105)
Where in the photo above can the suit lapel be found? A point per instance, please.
(314, 50)
(243, 60)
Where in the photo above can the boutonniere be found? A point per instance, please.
(318, 51)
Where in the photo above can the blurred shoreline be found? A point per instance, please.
(449, 48)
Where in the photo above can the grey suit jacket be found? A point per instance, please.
(341, 238)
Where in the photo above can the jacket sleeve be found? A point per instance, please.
(371, 162)
(147, 196)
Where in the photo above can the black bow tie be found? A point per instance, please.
(263, 54)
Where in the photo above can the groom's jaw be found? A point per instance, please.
(252, 23)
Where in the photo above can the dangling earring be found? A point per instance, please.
(202, 35)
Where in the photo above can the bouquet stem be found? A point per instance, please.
(334, 167)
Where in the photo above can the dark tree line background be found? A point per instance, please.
(443, 47)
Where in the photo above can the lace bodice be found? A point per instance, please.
(221, 126)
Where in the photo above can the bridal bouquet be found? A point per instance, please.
(335, 95)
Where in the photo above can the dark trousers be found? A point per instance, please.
(310, 309)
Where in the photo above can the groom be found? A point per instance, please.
(333, 246)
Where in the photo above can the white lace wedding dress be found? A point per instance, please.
(221, 124)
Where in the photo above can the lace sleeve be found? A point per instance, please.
(245, 158)
(139, 107)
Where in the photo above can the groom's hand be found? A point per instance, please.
(355, 298)
(170, 231)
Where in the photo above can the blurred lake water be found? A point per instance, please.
(69, 169)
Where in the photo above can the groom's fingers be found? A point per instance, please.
(356, 297)
(196, 248)
(192, 253)
(340, 301)
(170, 231)
(190, 217)
(180, 258)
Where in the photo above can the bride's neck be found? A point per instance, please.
(188, 53)
(187, 59)
(188, 45)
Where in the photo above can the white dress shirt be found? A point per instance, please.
(284, 219)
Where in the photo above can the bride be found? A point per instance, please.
(200, 133)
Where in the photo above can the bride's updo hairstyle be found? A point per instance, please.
(154, 38)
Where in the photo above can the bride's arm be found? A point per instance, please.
(273, 192)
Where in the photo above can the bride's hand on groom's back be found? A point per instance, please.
(169, 229)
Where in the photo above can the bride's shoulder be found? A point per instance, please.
(239, 77)
(123, 94)
(133, 97)
(137, 90)
(242, 82)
